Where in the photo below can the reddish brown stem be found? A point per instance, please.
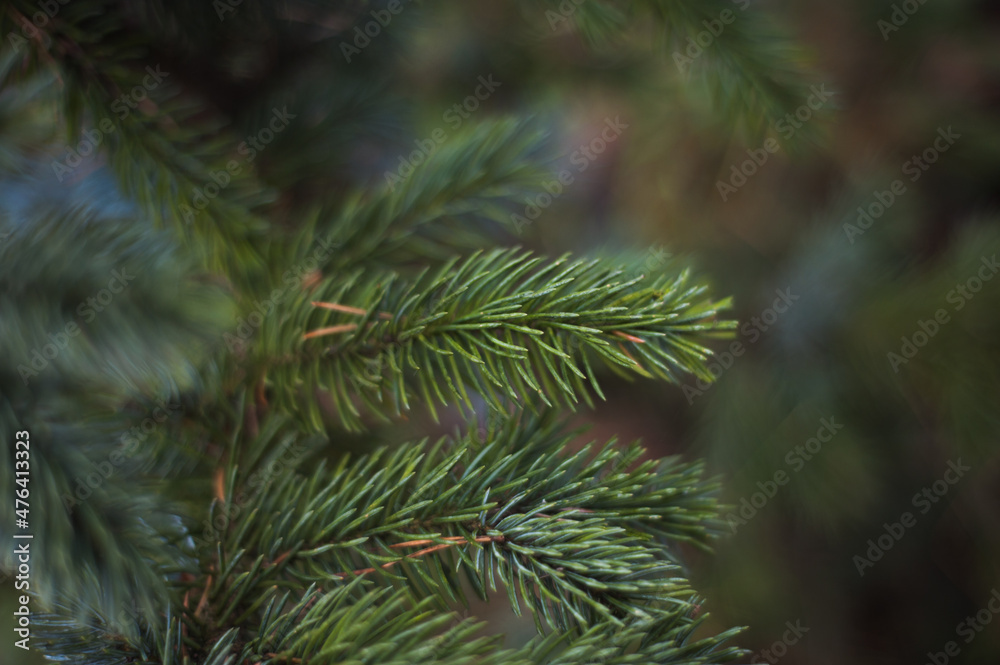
(631, 338)
(344, 327)
(454, 540)
(204, 599)
(220, 486)
(347, 309)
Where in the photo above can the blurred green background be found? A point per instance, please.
(852, 294)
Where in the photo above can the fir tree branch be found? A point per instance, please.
(162, 147)
(427, 210)
(306, 569)
(94, 355)
(502, 324)
(593, 531)
(389, 627)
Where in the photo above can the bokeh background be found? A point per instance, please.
(791, 228)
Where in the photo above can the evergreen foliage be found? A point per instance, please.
(258, 323)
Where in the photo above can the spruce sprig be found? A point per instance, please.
(502, 324)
